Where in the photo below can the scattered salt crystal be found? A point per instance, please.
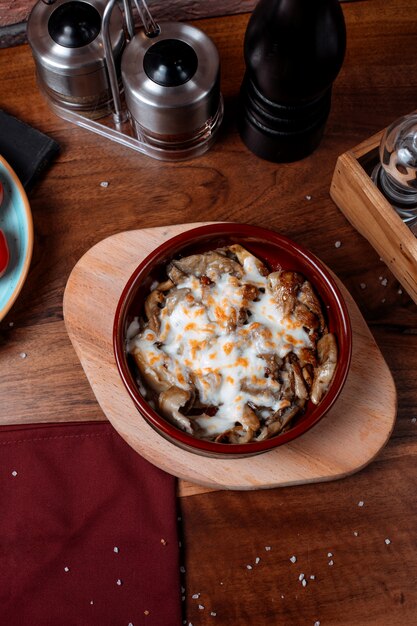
(182, 598)
(23, 355)
(249, 567)
(118, 582)
(282, 597)
(387, 541)
(182, 569)
(304, 583)
(91, 601)
(221, 583)
(380, 277)
(384, 282)
(164, 542)
(195, 596)
(331, 562)
(355, 532)
(413, 420)
(293, 559)
(312, 577)
(301, 577)
(201, 607)
(308, 197)
(66, 569)
(104, 183)
(337, 244)
(363, 285)
(361, 503)
(130, 624)
(146, 612)
(14, 473)
(383, 300)
(267, 548)
(213, 613)
(257, 560)
(11, 324)
(116, 549)
(329, 554)
(316, 623)
(400, 291)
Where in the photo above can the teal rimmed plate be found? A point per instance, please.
(16, 223)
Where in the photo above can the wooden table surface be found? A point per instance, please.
(371, 581)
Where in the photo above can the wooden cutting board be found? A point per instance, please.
(344, 441)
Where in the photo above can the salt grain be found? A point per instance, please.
(384, 282)
(14, 473)
(331, 562)
(201, 607)
(363, 285)
(146, 612)
(164, 542)
(257, 560)
(337, 244)
(308, 197)
(104, 184)
(383, 300)
(23, 355)
(387, 541)
(361, 503)
(267, 548)
(182, 569)
(91, 602)
(66, 569)
(116, 549)
(413, 420)
(329, 554)
(249, 567)
(118, 582)
(312, 577)
(355, 533)
(380, 277)
(293, 559)
(316, 623)
(304, 583)
(213, 613)
(130, 624)
(301, 577)
(11, 324)
(195, 596)
(400, 291)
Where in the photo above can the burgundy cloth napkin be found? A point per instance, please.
(88, 530)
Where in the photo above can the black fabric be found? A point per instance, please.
(28, 151)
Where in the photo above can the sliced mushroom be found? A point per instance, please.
(152, 309)
(305, 317)
(174, 297)
(175, 274)
(284, 286)
(249, 419)
(155, 376)
(300, 389)
(211, 264)
(242, 254)
(272, 364)
(307, 297)
(170, 402)
(237, 434)
(323, 374)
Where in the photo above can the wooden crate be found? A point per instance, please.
(366, 208)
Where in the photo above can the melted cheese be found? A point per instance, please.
(204, 348)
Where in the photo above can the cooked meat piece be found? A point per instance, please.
(284, 286)
(307, 356)
(211, 264)
(170, 402)
(323, 374)
(242, 254)
(250, 292)
(307, 297)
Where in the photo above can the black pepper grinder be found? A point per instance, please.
(293, 50)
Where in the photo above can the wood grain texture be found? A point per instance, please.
(346, 440)
(370, 583)
(16, 13)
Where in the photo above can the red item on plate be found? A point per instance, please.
(88, 530)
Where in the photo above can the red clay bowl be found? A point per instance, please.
(275, 250)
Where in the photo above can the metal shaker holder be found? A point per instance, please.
(167, 102)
